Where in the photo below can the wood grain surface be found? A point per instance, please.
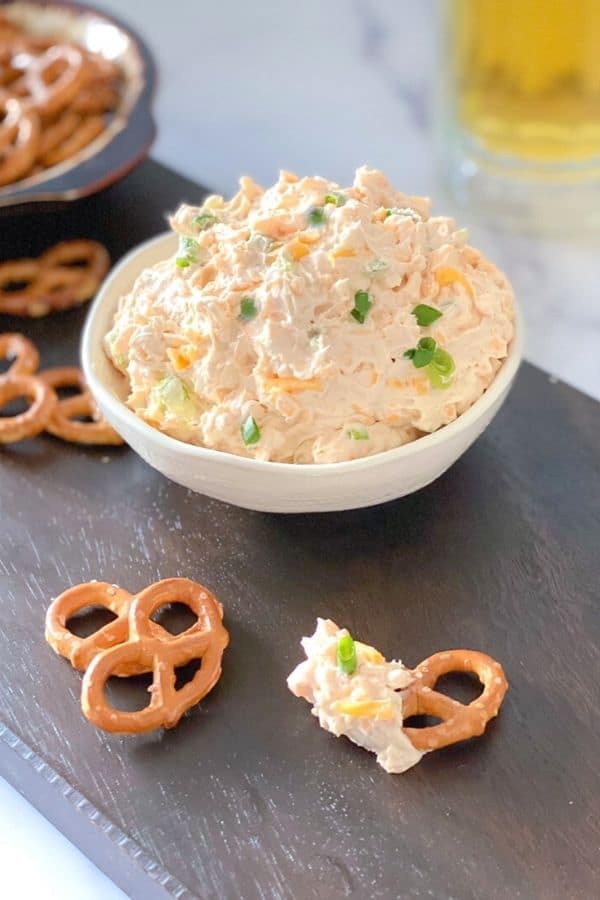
(248, 798)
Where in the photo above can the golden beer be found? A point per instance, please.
(527, 77)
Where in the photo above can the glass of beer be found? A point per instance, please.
(519, 109)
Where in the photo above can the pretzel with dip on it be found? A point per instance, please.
(354, 691)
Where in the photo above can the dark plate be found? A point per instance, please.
(129, 135)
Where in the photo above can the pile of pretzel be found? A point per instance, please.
(54, 97)
(47, 412)
(132, 643)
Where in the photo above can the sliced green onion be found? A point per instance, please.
(441, 369)
(424, 352)
(336, 199)
(250, 431)
(346, 655)
(248, 308)
(362, 305)
(204, 221)
(426, 315)
(358, 434)
(316, 216)
(187, 252)
(174, 396)
(438, 364)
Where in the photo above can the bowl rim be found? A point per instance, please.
(499, 385)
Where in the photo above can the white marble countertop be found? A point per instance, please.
(317, 88)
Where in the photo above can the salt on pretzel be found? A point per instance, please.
(459, 721)
(161, 654)
(80, 651)
(65, 275)
(19, 139)
(63, 421)
(22, 351)
(35, 418)
(52, 78)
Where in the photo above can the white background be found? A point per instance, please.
(319, 87)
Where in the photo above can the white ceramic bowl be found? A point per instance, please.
(272, 486)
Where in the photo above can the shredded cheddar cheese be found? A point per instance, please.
(297, 250)
(291, 385)
(420, 386)
(309, 237)
(448, 275)
(375, 709)
(205, 275)
(341, 253)
(182, 357)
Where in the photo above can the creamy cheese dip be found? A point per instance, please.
(365, 706)
(311, 323)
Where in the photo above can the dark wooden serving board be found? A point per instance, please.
(248, 798)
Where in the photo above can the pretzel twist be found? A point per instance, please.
(81, 650)
(52, 78)
(98, 97)
(22, 351)
(35, 418)
(81, 134)
(57, 132)
(65, 275)
(160, 653)
(47, 411)
(63, 422)
(19, 139)
(459, 721)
